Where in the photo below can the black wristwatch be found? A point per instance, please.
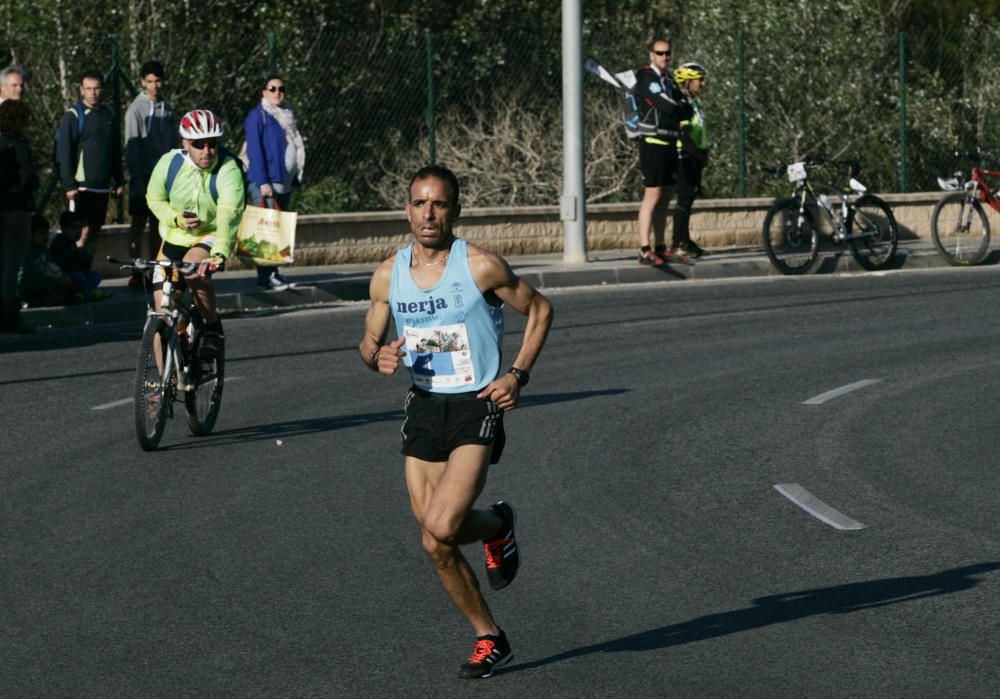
(521, 375)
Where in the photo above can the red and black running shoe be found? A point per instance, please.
(650, 258)
(502, 557)
(488, 654)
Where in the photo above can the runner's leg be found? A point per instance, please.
(441, 497)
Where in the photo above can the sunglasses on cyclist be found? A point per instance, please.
(662, 53)
(275, 88)
(206, 143)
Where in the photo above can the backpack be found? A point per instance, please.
(178, 160)
(636, 125)
(80, 112)
(635, 122)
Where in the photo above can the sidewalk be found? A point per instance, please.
(238, 291)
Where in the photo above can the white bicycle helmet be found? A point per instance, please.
(200, 123)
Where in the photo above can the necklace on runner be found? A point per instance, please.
(432, 264)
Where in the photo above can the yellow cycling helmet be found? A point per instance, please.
(690, 71)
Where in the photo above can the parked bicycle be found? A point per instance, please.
(791, 233)
(169, 366)
(959, 225)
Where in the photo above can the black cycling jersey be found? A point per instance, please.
(662, 94)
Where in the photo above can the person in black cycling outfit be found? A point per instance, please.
(665, 106)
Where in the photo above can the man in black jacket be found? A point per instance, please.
(666, 106)
(90, 159)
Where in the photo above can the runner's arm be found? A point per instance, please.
(526, 300)
(494, 276)
(376, 355)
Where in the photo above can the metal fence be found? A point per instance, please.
(373, 107)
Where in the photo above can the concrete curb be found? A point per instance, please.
(237, 292)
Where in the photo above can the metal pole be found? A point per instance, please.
(743, 119)
(902, 112)
(431, 145)
(572, 205)
(116, 106)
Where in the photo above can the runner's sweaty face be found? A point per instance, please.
(431, 212)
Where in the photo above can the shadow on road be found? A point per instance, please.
(294, 428)
(776, 609)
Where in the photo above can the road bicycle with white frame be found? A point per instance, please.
(791, 232)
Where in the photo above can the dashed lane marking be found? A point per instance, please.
(127, 401)
(830, 395)
(817, 508)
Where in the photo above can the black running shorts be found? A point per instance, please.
(658, 164)
(437, 423)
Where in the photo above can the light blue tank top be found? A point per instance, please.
(453, 336)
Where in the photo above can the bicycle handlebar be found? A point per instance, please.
(854, 166)
(141, 264)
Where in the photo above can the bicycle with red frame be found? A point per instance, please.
(960, 227)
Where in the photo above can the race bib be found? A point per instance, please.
(796, 172)
(440, 356)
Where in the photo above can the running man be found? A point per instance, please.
(446, 297)
(197, 195)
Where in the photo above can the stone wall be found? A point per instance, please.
(372, 236)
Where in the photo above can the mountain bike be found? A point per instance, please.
(959, 225)
(792, 236)
(169, 368)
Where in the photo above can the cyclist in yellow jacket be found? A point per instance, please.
(692, 159)
(197, 194)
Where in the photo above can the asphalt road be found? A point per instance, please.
(277, 557)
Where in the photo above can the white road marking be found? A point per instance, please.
(817, 508)
(127, 401)
(113, 404)
(830, 395)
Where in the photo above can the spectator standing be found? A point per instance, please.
(11, 83)
(692, 158)
(18, 182)
(150, 131)
(90, 159)
(656, 91)
(277, 157)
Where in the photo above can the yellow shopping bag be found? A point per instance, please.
(267, 236)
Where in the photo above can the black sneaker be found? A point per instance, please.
(488, 654)
(692, 249)
(501, 551)
(211, 345)
(680, 256)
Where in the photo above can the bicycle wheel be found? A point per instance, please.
(791, 240)
(205, 399)
(153, 385)
(960, 229)
(872, 221)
